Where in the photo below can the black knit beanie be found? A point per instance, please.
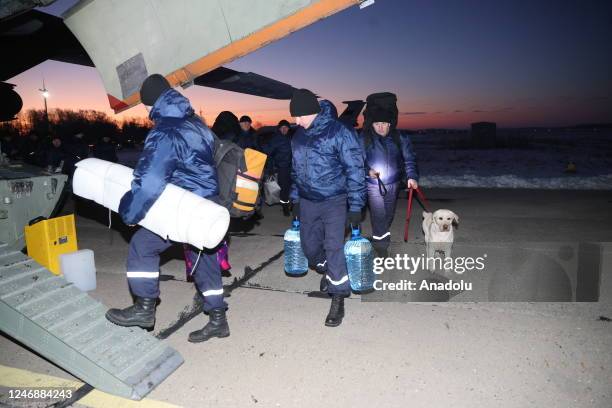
(245, 118)
(283, 123)
(152, 88)
(303, 103)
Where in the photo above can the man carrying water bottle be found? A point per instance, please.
(327, 172)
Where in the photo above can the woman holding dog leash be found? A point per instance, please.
(389, 160)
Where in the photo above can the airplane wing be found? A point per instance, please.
(245, 82)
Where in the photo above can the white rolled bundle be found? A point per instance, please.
(178, 214)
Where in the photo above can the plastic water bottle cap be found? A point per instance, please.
(296, 224)
(355, 233)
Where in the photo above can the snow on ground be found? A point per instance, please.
(511, 181)
(527, 161)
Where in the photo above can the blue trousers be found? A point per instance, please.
(382, 210)
(284, 182)
(322, 226)
(143, 269)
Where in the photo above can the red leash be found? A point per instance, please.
(423, 202)
(408, 212)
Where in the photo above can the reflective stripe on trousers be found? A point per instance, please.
(143, 269)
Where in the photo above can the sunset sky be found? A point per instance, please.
(517, 63)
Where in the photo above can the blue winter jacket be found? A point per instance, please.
(178, 150)
(383, 155)
(328, 161)
(247, 140)
(278, 150)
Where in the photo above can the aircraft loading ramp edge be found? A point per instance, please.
(68, 327)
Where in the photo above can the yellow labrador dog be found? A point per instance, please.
(438, 230)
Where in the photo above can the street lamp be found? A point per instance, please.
(45, 94)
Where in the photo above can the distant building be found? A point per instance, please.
(484, 134)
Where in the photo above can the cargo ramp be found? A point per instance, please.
(65, 325)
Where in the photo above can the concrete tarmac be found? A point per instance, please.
(463, 353)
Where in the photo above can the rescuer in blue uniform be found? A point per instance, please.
(247, 139)
(278, 150)
(178, 150)
(328, 172)
(390, 161)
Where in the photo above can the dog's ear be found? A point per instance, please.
(455, 220)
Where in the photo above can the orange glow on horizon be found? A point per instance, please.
(74, 87)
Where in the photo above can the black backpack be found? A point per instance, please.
(232, 169)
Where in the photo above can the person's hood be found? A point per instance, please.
(328, 113)
(226, 123)
(171, 104)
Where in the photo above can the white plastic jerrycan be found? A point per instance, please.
(79, 268)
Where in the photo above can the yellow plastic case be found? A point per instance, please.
(46, 240)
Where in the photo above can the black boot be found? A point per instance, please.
(286, 209)
(216, 327)
(336, 311)
(380, 249)
(141, 313)
(324, 284)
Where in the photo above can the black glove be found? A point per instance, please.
(354, 218)
(295, 210)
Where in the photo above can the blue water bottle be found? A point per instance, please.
(295, 262)
(359, 262)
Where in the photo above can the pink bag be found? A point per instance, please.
(222, 259)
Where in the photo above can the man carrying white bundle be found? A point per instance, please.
(178, 150)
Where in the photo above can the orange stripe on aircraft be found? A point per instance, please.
(244, 46)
